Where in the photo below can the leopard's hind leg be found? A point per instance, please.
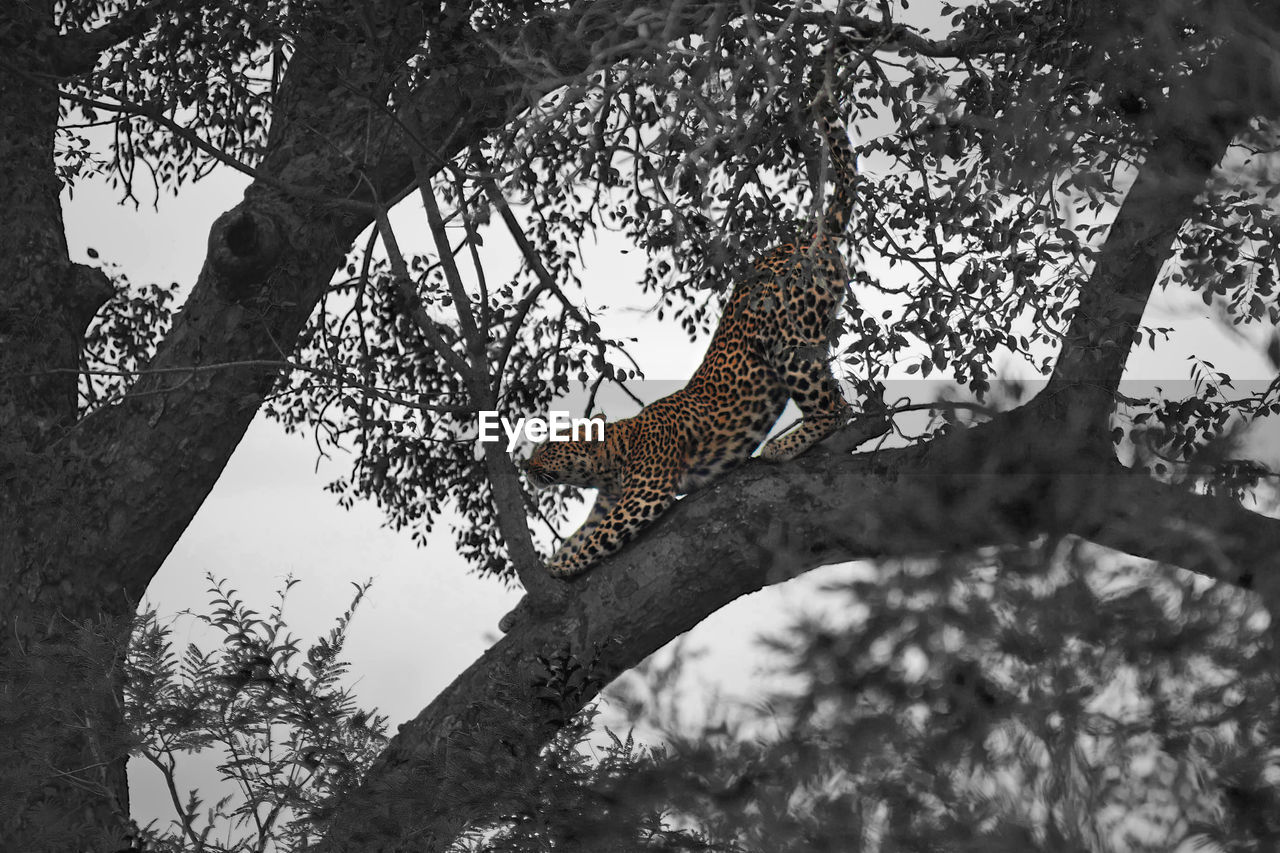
(806, 373)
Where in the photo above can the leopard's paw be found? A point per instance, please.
(779, 450)
(564, 566)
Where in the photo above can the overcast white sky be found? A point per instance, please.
(426, 618)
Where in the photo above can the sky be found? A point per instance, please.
(427, 617)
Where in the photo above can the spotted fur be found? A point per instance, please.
(772, 345)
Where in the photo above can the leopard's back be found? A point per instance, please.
(787, 304)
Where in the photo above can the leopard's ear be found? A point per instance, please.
(598, 416)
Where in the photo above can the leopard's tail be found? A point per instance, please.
(844, 165)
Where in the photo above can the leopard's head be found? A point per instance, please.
(575, 462)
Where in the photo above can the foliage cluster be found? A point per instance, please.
(286, 730)
(1042, 698)
(194, 90)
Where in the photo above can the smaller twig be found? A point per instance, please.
(452, 276)
(188, 819)
(409, 296)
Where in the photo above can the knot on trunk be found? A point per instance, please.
(244, 245)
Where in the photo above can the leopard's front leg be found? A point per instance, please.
(612, 524)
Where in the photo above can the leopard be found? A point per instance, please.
(772, 343)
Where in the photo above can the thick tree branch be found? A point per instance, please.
(1008, 481)
(1211, 536)
(1190, 132)
(1102, 329)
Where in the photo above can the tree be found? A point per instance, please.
(683, 125)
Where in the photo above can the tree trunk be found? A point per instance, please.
(63, 777)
